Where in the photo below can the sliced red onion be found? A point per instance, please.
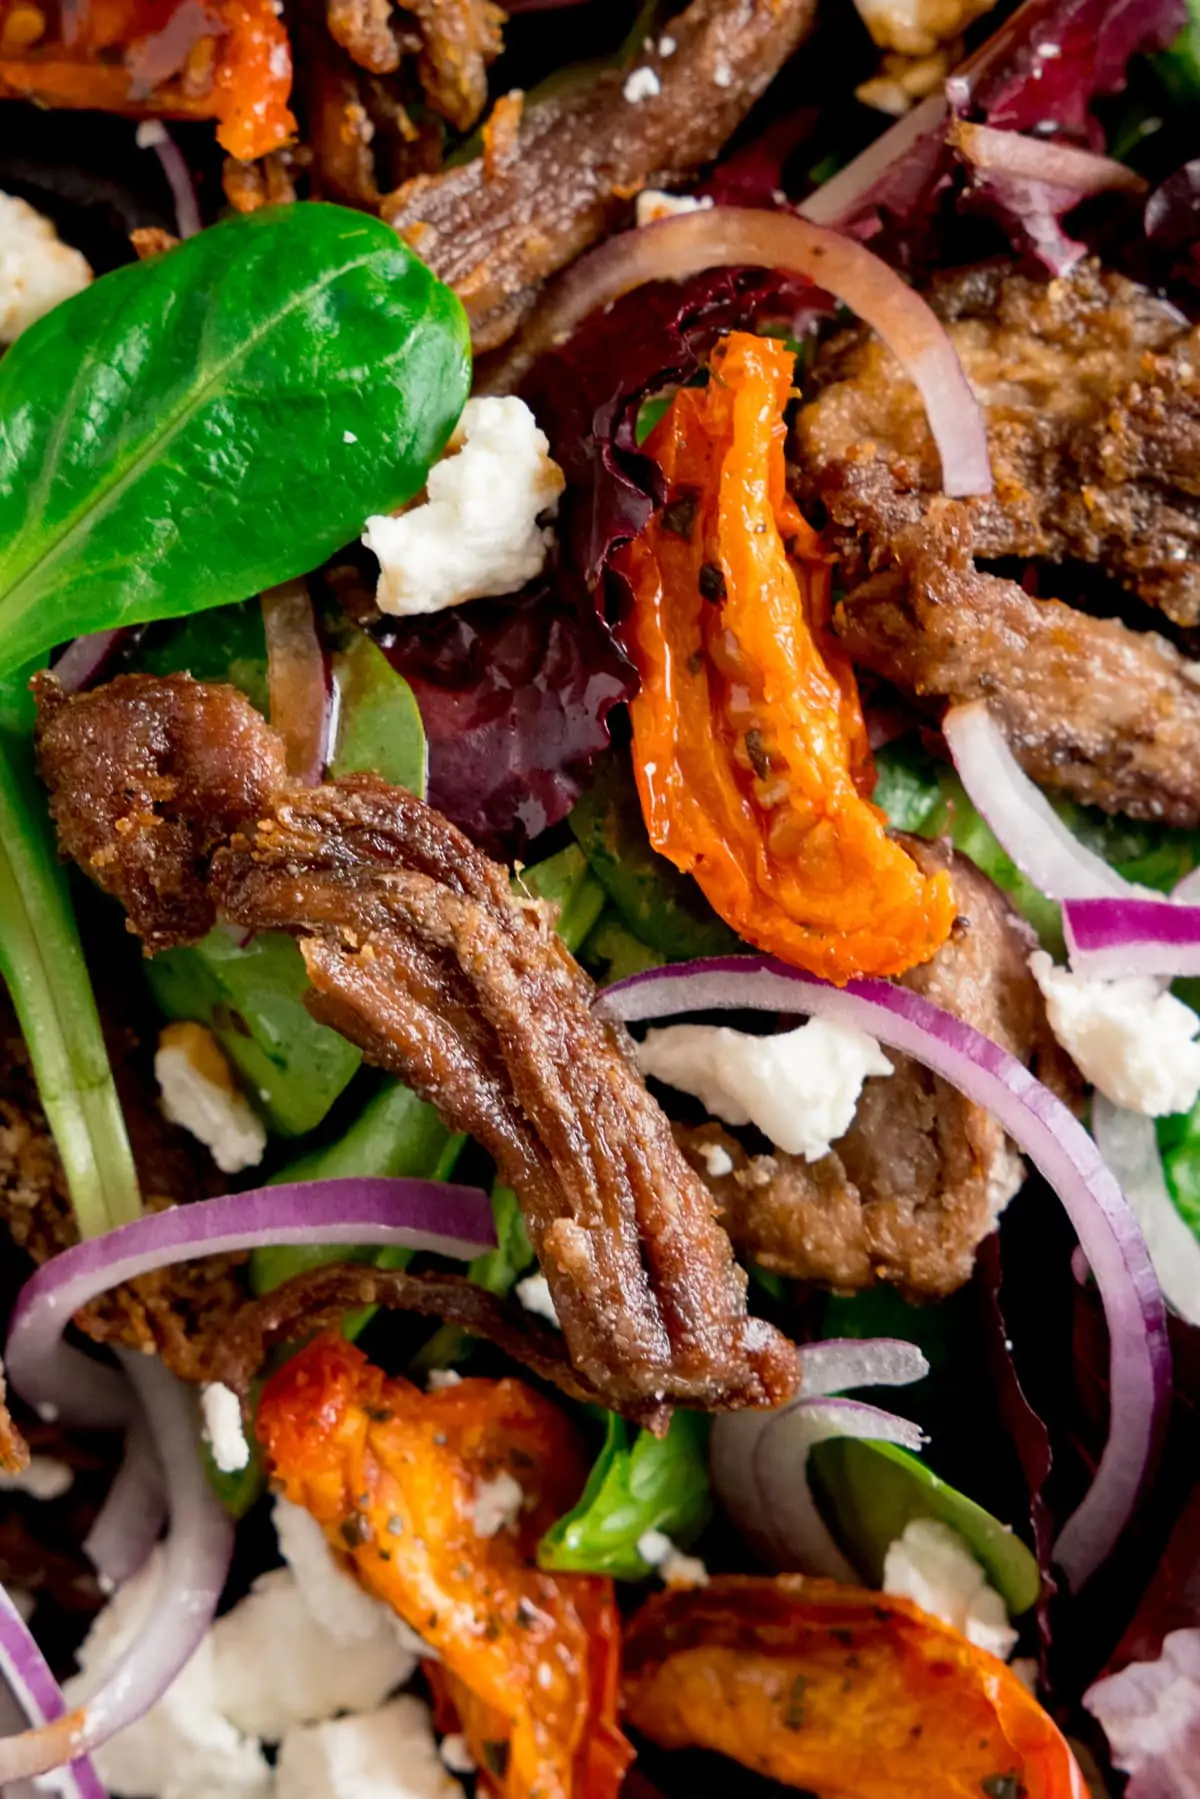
(127, 1525)
(1041, 1126)
(406, 1214)
(1108, 938)
(759, 1466)
(37, 1692)
(842, 1364)
(1020, 816)
(85, 657)
(1076, 171)
(152, 134)
(196, 1557)
(299, 688)
(838, 198)
(1129, 1144)
(675, 248)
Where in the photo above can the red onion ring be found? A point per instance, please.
(1040, 159)
(759, 1466)
(838, 198)
(838, 1364)
(297, 680)
(85, 657)
(1108, 938)
(730, 237)
(152, 134)
(408, 1214)
(1129, 1144)
(1040, 1125)
(196, 1557)
(36, 1690)
(1020, 816)
(127, 1526)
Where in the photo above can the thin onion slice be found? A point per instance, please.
(729, 237)
(179, 179)
(1038, 159)
(1020, 816)
(1041, 1126)
(1108, 938)
(759, 1466)
(296, 678)
(37, 1692)
(85, 657)
(196, 1557)
(407, 1214)
(127, 1526)
(1129, 1144)
(840, 1364)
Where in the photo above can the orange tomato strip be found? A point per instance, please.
(848, 1693)
(396, 1479)
(749, 744)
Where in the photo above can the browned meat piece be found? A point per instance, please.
(419, 952)
(496, 235)
(1105, 714)
(461, 37)
(146, 779)
(916, 1183)
(1091, 388)
(366, 30)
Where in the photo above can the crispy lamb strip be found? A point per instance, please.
(496, 235)
(420, 953)
(1107, 715)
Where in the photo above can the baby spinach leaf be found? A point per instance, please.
(872, 1490)
(379, 727)
(658, 1483)
(42, 963)
(194, 428)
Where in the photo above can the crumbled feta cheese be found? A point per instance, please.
(334, 1598)
(930, 1564)
(800, 1087)
(477, 533)
(667, 46)
(44, 1478)
(455, 1754)
(671, 1564)
(37, 269)
(386, 1754)
(717, 1159)
(182, 1748)
(199, 1093)
(276, 1667)
(438, 1379)
(653, 204)
(1130, 1038)
(534, 1294)
(498, 1504)
(642, 84)
(349, 437)
(223, 1431)
(722, 73)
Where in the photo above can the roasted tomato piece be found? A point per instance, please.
(850, 1694)
(749, 748)
(437, 1501)
(227, 60)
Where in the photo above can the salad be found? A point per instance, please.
(600, 899)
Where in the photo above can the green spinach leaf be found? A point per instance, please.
(378, 727)
(655, 1483)
(192, 429)
(42, 963)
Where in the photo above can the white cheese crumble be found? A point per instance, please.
(497, 1505)
(440, 1378)
(641, 84)
(667, 46)
(674, 1567)
(222, 1428)
(717, 1159)
(800, 1087)
(1130, 1038)
(37, 269)
(386, 1754)
(199, 1093)
(349, 437)
(930, 1564)
(477, 533)
(44, 1478)
(722, 73)
(334, 1598)
(455, 1754)
(653, 204)
(534, 1294)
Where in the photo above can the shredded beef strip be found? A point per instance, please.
(1107, 715)
(1090, 387)
(908, 1194)
(496, 232)
(172, 796)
